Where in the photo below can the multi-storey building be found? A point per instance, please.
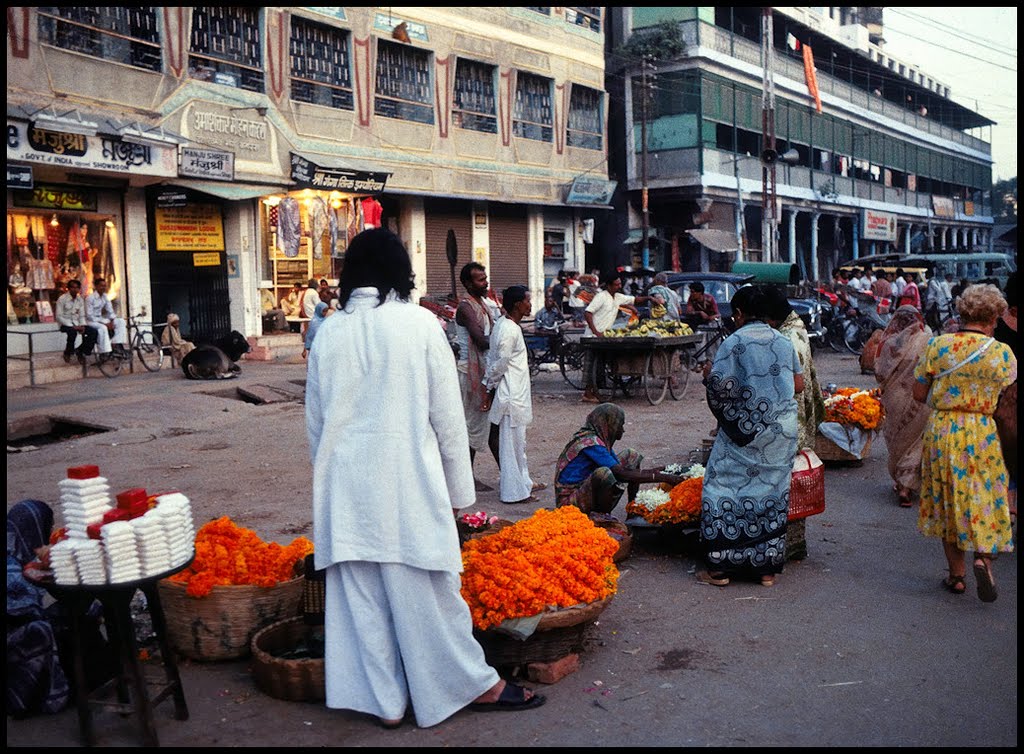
(195, 154)
(879, 155)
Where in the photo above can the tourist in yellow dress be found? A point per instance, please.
(963, 475)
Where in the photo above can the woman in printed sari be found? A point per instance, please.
(751, 389)
(590, 475)
(899, 350)
(810, 406)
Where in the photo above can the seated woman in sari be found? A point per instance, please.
(751, 390)
(592, 476)
(899, 351)
(171, 339)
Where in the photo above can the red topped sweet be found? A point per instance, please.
(83, 472)
(132, 498)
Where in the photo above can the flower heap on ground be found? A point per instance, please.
(678, 505)
(854, 408)
(228, 554)
(553, 559)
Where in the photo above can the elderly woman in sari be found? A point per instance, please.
(171, 338)
(592, 476)
(751, 390)
(898, 351)
(810, 406)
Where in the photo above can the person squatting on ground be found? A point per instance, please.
(474, 318)
(399, 632)
(963, 475)
(751, 390)
(511, 410)
(70, 315)
(592, 476)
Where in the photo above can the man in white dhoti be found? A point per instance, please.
(508, 375)
(382, 386)
(100, 316)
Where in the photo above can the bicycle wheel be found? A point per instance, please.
(834, 336)
(656, 377)
(570, 364)
(149, 351)
(679, 378)
(853, 337)
(109, 364)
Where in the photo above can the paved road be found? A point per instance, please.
(856, 646)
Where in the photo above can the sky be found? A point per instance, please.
(974, 52)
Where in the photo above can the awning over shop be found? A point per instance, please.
(67, 119)
(721, 241)
(324, 174)
(230, 191)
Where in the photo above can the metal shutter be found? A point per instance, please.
(442, 214)
(508, 241)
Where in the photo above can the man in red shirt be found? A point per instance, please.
(701, 308)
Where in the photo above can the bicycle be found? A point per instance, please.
(693, 360)
(141, 343)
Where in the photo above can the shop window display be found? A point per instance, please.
(307, 233)
(46, 250)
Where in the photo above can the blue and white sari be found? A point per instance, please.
(745, 499)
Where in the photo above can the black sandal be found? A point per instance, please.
(986, 585)
(955, 584)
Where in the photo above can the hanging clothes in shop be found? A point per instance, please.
(289, 231)
(318, 222)
(40, 275)
(355, 219)
(372, 212)
(339, 230)
(56, 244)
(103, 263)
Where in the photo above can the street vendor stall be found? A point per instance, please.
(655, 363)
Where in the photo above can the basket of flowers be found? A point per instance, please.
(479, 524)
(236, 585)
(852, 418)
(533, 588)
(671, 504)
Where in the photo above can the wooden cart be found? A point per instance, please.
(657, 365)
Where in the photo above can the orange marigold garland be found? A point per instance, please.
(228, 554)
(856, 408)
(683, 505)
(556, 558)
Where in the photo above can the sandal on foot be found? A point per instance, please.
(906, 502)
(768, 580)
(513, 698)
(986, 586)
(713, 577)
(390, 724)
(954, 584)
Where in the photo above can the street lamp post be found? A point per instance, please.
(790, 157)
(646, 86)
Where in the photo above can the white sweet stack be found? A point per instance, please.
(84, 499)
(151, 539)
(179, 529)
(121, 551)
(63, 562)
(89, 556)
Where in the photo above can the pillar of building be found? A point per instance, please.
(792, 235)
(815, 216)
(908, 235)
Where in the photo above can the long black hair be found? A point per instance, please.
(376, 258)
(752, 301)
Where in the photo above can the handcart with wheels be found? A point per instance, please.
(656, 365)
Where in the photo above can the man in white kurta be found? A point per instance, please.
(508, 374)
(390, 459)
(100, 316)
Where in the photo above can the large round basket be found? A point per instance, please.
(620, 533)
(220, 626)
(294, 680)
(560, 632)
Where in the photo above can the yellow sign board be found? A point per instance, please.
(194, 227)
(206, 259)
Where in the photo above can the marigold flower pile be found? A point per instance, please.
(682, 507)
(556, 558)
(853, 407)
(228, 554)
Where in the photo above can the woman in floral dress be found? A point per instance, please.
(963, 475)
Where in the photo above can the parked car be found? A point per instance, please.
(722, 286)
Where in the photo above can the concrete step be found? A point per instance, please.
(275, 347)
(50, 368)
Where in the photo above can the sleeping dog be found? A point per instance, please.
(216, 361)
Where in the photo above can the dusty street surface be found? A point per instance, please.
(858, 645)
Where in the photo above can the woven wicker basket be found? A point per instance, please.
(559, 633)
(294, 680)
(829, 452)
(220, 626)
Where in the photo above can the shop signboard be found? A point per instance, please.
(57, 197)
(206, 259)
(211, 164)
(195, 227)
(590, 191)
(308, 174)
(878, 226)
(19, 177)
(943, 207)
(39, 146)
